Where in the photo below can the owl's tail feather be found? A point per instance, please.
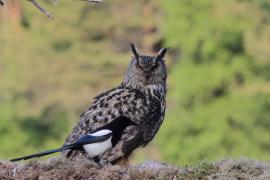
(43, 153)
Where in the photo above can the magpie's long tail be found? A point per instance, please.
(43, 153)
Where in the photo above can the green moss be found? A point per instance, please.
(203, 170)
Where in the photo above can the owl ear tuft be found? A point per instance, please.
(161, 53)
(134, 51)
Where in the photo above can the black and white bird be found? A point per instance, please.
(93, 144)
(139, 100)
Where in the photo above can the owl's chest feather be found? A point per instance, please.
(156, 104)
(138, 106)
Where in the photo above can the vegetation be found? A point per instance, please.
(219, 92)
(82, 168)
(219, 72)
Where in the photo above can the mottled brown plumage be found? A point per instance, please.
(139, 101)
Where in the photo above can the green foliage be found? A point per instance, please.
(51, 68)
(203, 169)
(218, 92)
(52, 124)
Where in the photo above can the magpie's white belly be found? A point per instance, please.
(96, 149)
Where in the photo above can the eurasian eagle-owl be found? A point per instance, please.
(133, 111)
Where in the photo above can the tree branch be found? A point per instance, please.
(94, 1)
(2, 2)
(43, 10)
(40, 8)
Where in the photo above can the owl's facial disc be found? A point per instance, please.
(146, 70)
(149, 64)
(139, 58)
(145, 63)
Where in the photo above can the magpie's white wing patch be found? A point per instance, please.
(96, 149)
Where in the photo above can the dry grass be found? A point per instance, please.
(58, 168)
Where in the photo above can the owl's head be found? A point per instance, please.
(146, 70)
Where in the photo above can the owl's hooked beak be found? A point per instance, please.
(147, 76)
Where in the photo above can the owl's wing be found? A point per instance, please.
(136, 136)
(108, 106)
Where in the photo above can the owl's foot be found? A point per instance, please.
(123, 162)
(102, 162)
(97, 161)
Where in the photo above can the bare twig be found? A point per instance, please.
(2, 2)
(44, 11)
(94, 1)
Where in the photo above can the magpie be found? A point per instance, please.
(94, 144)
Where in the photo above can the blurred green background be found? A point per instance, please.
(218, 102)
